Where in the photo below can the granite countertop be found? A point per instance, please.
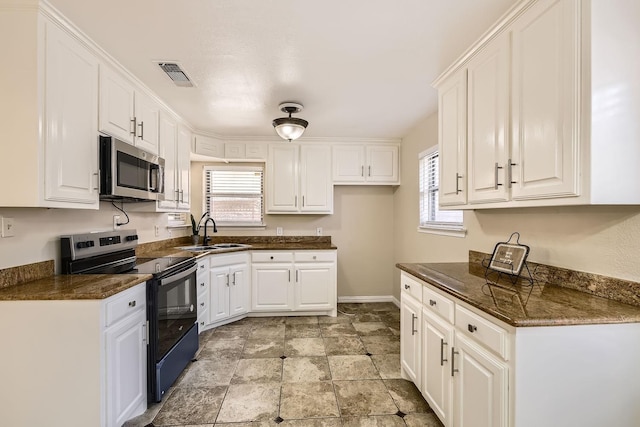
(547, 305)
(73, 287)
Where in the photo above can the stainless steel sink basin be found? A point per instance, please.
(218, 246)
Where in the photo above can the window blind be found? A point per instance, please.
(234, 195)
(430, 213)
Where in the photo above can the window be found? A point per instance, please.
(432, 219)
(234, 195)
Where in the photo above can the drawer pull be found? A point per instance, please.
(270, 257)
(202, 323)
(132, 303)
(202, 266)
(202, 284)
(453, 355)
(432, 302)
(442, 359)
(472, 328)
(314, 257)
(413, 324)
(202, 304)
(407, 286)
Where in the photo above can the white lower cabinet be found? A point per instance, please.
(202, 291)
(410, 317)
(303, 281)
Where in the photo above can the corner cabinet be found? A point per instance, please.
(527, 109)
(372, 164)
(304, 282)
(298, 179)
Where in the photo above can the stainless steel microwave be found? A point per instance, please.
(129, 173)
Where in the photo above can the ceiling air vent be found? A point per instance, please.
(176, 74)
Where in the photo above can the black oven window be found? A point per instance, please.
(176, 312)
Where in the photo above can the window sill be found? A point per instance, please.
(443, 231)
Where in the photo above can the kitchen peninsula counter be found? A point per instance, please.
(547, 305)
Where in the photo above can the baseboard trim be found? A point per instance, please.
(372, 298)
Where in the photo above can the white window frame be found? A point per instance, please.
(454, 229)
(205, 206)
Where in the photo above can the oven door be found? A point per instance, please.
(175, 309)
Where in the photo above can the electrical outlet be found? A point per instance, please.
(278, 231)
(7, 227)
(319, 231)
(156, 229)
(116, 222)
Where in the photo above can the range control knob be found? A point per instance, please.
(131, 238)
(87, 244)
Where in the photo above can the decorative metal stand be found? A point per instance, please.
(506, 268)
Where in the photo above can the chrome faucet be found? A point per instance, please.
(205, 241)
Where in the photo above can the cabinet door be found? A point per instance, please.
(410, 318)
(452, 139)
(126, 368)
(116, 105)
(480, 387)
(183, 167)
(315, 286)
(148, 120)
(348, 164)
(71, 146)
(239, 289)
(219, 294)
(168, 146)
(437, 339)
(488, 115)
(382, 163)
(282, 178)
(316, 187)
(545, 126)
(270, 287)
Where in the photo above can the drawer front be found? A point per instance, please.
(411, 286)
(313, 256)
(437, 303)
(483, 331)
(272, 257)
(125, 303)
(203, 266)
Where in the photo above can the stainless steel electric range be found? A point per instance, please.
(171, 297)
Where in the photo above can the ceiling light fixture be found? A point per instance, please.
(290, 128)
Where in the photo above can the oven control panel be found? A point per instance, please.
(78, 246)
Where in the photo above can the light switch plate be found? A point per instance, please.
(319, 231)
(7, 227)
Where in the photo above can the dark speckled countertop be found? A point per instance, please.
(73, 287)
(548, 305)
(99, 286)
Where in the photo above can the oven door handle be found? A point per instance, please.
(178, 276)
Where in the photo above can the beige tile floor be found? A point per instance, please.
(312, 371)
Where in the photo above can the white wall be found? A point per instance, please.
(596, 239)
(37, 230)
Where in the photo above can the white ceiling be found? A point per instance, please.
(362, 68)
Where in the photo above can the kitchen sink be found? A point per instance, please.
(218, 246)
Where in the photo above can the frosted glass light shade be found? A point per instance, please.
(290, 128)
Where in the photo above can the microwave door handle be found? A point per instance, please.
(156, 179)
(160, 181)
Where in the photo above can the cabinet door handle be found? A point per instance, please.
(234, 278)
(458, 176)
(413, 324)
(510, 173)
(135, 126)
(97, 175)
(141, 126)
(295, 203)
(432, 302)
(453, 356)
(369, 170)
(227, 280)
(289, 276)
(362, 170)
(472, 328)
(496, 176)
(303, 201)
(442, 345)
(146, 332)
(407, 286)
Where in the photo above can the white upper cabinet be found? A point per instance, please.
(487, 118)
(299, 179)
(452, 139)
(71, 100)
(547, 121)
(237, 150)
(127, 113)
(544, 95)
(48, 140)
(370, 164)
(183, 167)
